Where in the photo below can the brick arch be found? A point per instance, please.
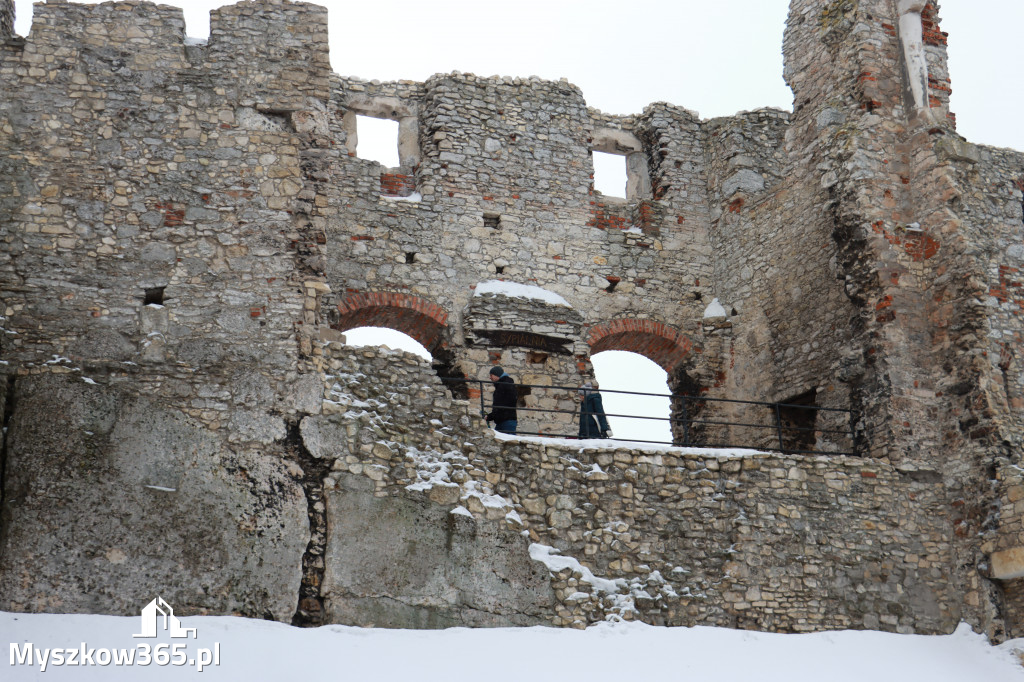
(656, 341)
(421, 319)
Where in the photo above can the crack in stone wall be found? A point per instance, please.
(309, 612)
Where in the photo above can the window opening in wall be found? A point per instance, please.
(610, 174)
(499, 269)
(410, 257)
(154, 296)
(492, 220)
(625, 371)
(796, 421)
(377, 140)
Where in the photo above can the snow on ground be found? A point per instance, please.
(262, 650)
(514, 290)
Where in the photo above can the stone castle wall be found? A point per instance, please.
(188, 228)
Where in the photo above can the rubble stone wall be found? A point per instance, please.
(678, 537)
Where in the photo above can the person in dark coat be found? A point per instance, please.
(593, 423)
(503, 405)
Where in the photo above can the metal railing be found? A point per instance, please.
(788, 432)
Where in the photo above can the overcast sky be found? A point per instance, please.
(715, 58)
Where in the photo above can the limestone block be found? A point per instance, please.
(1008, 564)
(957, 150)
(324, 437)
(745, 180)
(406, 562)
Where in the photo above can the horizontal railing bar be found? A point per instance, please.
(682, 396)
(791, 431)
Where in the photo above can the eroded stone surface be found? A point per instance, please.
(403, 561)
(111, 499)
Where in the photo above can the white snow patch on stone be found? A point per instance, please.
(550, 557)
(609, 444)
(515, 290)
(715, 309)
(415, 197)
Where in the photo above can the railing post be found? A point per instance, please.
(483, 412)
(853, 435)
(778, 426)
(686, 424)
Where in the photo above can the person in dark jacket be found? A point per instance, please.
(593, 423)
(503, 405)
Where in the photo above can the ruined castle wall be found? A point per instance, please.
(109, 495)
(503, 191)
(686, 536)
(911, 271)
(993, 225)
(188, 227)
(776, 271)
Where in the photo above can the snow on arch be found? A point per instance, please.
(515, 290)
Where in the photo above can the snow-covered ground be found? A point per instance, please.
(256, 650)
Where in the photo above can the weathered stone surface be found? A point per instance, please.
(405, 562)
(110, 499)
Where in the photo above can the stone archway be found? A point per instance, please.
(421, 319)
(667, 347)
(656, 341)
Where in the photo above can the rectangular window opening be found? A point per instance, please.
(797, 422)
(153, 296)
(377, 140)
(492, 220)
(610, 174)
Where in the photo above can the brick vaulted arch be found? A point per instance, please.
(657, 341)
(421, 319)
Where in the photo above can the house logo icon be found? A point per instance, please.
(151, 613)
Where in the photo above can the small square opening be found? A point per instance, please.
(153, 296)
(492, 220)
(610, 174)
(377, 140)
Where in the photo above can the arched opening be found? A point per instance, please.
(667, 348)
(618, 370)
(422, 321)
(654, 340)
